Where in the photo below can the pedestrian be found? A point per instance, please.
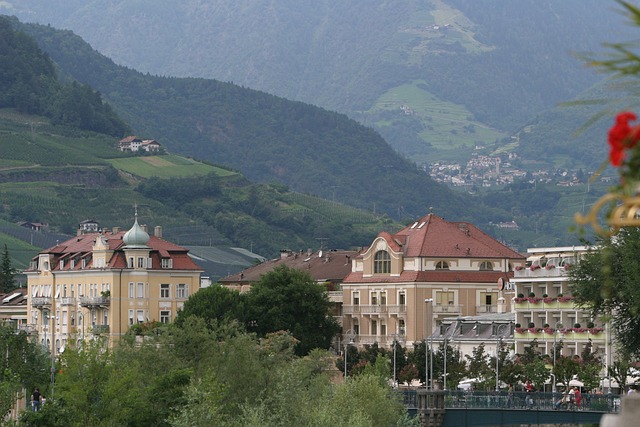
(510, 396)
(564, 399)
(528, 400)
(572, 397)
(36, 398)
(578, 396)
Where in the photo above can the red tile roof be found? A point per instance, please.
(332, 266)
(432, 236)
(81, 247)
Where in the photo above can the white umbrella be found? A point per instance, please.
(576, 383)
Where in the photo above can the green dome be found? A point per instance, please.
(136, 236)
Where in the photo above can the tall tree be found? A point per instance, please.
(606, 281)
(7, 272)
(290, 300)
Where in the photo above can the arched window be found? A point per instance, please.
(382, 262)
(486, 265)
(442, 265)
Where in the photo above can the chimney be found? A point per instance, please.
(144, 228)
(284, 253)
(79, 232)
(157, 231)
(116, 230)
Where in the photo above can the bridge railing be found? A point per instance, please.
(521, 400)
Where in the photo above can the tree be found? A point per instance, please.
(289, 299)
(7, 272)
(605, 282)
(24, 364)
(456, 368)
(533, 365)
(213, 304)
(479, 366)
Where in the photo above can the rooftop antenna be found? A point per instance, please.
(322, 240)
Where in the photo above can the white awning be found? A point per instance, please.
(140, 318)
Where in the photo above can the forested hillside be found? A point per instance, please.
(434, 77)
(268, 139)
(29, 84)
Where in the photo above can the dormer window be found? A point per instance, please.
(382, 262)
(442, 265)
(486, 266)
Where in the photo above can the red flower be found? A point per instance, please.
(622, 136)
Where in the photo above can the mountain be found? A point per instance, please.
(267, 138)
(434, 77)
(216, 204)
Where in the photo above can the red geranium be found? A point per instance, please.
(622, 136)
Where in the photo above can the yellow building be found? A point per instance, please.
(408, 282)
(101, 283)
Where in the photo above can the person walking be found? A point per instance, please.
(36, 398)
(578, 396)
(528, 400)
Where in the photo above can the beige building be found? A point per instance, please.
(408, 282)
(544, 306)
(101, 283)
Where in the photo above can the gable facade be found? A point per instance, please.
(405, 284)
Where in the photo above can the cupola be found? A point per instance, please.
(136, 237)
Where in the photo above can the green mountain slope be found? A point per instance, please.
(60, 176)
(268, 139)
(484, 67)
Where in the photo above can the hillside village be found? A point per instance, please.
(492, 171)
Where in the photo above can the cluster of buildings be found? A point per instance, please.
(134, 144)
(484, 171)
(434, 278)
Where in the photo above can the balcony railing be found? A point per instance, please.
(486, 309)
(95, 301)
(100, 329)
(40, 301)
(373, 309)
(541, 272)
(447, 308)
(29, 329)
(68, 301)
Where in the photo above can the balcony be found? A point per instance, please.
(482, 309)
(335, 296)
(99, 329)
(68, 301)
(95, 301)
(41, 302)
(540, 272)
(447, 308)
(29, 329)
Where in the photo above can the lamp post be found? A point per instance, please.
(498, 342)
(426, 347)
(553, 374)
(348, 339)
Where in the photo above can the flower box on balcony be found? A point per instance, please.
(595, 331)
(534, 300)
(549, 300)
(550, 331)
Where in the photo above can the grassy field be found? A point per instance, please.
(448, 126)
(166, 166)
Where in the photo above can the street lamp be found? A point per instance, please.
(395, 341)
(498, 342)
(555, 333)
(348, 339)
(426, 347)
